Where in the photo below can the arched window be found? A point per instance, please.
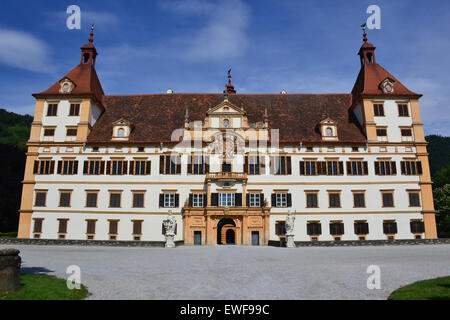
(329, 132)
(121, 133)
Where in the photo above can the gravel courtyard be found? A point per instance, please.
(232, 272)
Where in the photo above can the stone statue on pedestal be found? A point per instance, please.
(170, 225)
(290, 221)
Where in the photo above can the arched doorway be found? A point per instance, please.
(226, 231)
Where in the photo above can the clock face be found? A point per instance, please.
(388, 87)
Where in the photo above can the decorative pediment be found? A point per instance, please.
(67, 86)
(122, 129)
(226, 116)
(226, 107)
(387, 85)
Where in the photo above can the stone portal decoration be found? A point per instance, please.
(290, 220)
(170, 225)
(9, 270)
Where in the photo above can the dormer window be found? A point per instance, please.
(328, 130)
(121, 130)
(387, 86)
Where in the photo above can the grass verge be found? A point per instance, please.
(8, 234)
(434, 289)
(37, 287)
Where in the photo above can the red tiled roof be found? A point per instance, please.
(86, 82)
(156, 116)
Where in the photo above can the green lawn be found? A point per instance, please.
(35, 287)
(434, 289)
(8, 234)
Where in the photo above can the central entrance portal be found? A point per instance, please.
(226, 232)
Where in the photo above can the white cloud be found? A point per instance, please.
(23, 50)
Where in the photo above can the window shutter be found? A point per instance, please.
(261, 200)
(394, 227)
(289, 165)
(59, 170)
(191, 200)
(377, 168)
(419, 167)
(308, 229)
(177, 200)
(403, 167)
(161, 164)
(189, 165)
(274, 200)
(320, 169)
(394, 168)
(132, 167)
(36, 167)
(161, 200)
(366, 168)
(102, 167)
(52, 167)
(341, 168)
(125, 167)
(246, 164)
(207, 164)
(86, 167)
(214, 199)
(319, 229)
(302, 168)
(238, 200)
(262, 161)
(247, 199)
(75, 167)
(272, 165)
(148, 167)
(108, 167)
(289, 200)
(349, 168)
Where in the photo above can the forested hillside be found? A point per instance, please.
(15, 131)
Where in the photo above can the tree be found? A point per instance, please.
(442, 206)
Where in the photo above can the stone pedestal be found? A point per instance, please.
(290, 241)
(170, 243)
(10, 262)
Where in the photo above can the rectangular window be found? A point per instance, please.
(388, 199)
(137, 227)
(253, 164)
(381, 132)
(226, 199)
(281, 200)
(91, 200)
(94, 167)
(280, 165)
(385, 168)
(74, 109)
(357, 168)
(114, 200)
(414, 199)
(38, 225)
(170, 164)
(389, 227)
(336, 228)
(140, 167)
(44, 167)
(311, 200)
(280, 228)
(198, 200)
(378, 110)
(64, 199)
(361, 228)
(169, 200)
(113, 227)
(308, 168)
(68, 167)
(254, 200)
(62, 228)
(52, 110)
(406, 132)
(417, 226)
(138, 200)
(49, 132)
(226, 167)
(314, 229)
(403, 110)
(117, 167)
(40, 200)
(90, 227)
(411, 168)
(334, 200)
(359, 200)
(334, 168)
(198, 165)
(71, 132)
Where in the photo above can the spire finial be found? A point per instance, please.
(363, 26)
(229, 88)
(229, 76)
(91, 36)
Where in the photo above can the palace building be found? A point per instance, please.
(229, 166)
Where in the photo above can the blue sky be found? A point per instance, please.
(188, 45)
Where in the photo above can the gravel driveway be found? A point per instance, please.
(237, 272)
